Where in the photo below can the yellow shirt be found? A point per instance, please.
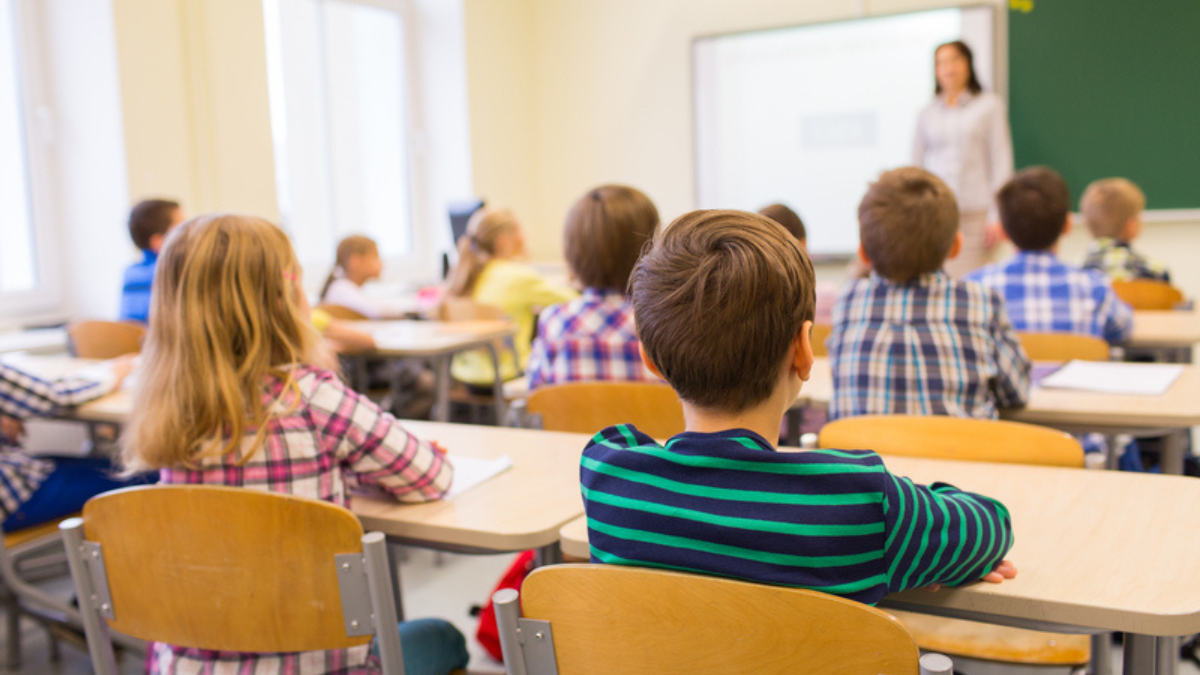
(519, 291)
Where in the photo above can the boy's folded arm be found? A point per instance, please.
(939, 534)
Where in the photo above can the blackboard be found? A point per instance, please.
(1102, 88)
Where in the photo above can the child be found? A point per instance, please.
(908, 338)
(488, 273)
(357, 263)
(1042, 293)
(231, 395)
(826, 293)
(592, 337)
(724, 306)
(1112, 208)
(36, 490)
(149, 222)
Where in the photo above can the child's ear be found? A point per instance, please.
(862, 257)
(802, 357)
(649, 364)
(1067, 226)
(1133, 227)
(956, 247)
(156, 242)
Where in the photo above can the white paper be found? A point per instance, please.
(1140, 379)
(469, 472)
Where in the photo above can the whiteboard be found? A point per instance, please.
(810, 115)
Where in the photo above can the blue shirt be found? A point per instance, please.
(1044, 294)
(836, 521)
(135, 295)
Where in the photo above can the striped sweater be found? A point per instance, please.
(835, 521)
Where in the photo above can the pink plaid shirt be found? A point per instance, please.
(331, 440)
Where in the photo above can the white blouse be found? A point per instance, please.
(967, 145)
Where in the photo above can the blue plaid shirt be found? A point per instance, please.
(588, 339)
(933, 346)
(1044, 294)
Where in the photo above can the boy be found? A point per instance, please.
(1042, 293)
(1112, 208)
(149, 222)
(724, 303)
(908, 338)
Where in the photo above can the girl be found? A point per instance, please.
(593, 337)
(488, 273)
(357, 263)
(233, 393)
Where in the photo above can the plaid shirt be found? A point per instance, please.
(331, 440)
(587, 339)
(1117, 260)
(25, 395)
(933, 346)
(1044, 294)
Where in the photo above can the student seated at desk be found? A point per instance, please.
(592, 338)
(35, 490)
(724, 306)
(358, 262)
(1112, 209)
(908, 338)
(233, 393)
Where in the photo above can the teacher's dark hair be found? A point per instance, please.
(973, 85)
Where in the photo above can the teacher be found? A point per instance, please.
(962, 137)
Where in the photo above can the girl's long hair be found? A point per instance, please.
(477, 247)
(226, 314)
(355, 244)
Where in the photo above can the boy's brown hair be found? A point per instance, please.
(1034, 205)
(717, 300)
(604, 234)
(786, 217)
(907, 222)
(1108, 204)
(150, 217)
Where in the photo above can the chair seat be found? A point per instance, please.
(28, 534)
(995, 643)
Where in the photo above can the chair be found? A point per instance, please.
(204, 567)
(971, 440)
(462, 310)
(41, 547)
(1148, 294)
(592, 619)
(1064, 347)
(587, 407)
(341, 312)
(820, 333)
(105, 339)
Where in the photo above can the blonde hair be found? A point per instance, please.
(355, 244)
(477, 247)
(226, 314)
(1109, 203)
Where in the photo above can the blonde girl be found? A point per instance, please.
(357, 263)
(489, 273)
(232, 393)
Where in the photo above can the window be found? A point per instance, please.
(340, 110)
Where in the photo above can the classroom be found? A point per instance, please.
(386, 118)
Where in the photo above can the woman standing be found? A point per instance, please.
(962, 137)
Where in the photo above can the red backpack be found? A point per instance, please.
(488, 634)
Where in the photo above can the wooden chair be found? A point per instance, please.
(1148, 294)
(587, 407)
(203, 567)
(592, 619)
(970, 440)
(1064, 347)
(105, 339)
(820, 333)
(462, 310)
(341, 312)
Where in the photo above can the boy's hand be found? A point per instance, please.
(11, 428)
(1005, 570)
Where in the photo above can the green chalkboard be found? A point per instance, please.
(1103, 88)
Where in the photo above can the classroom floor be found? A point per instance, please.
(432, 587)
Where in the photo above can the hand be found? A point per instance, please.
(1005, 570)
(993, 233)
(11, 428)
(438, 448)
(122, 366)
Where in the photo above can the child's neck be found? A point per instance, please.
(356, 279)
(763, 419)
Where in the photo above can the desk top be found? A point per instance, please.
(1179, 408)
(1100, 550)
(431, 338)
(39, 340)
(1168, 328)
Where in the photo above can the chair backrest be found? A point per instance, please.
(341, 312)
(1148, 294)
(1064, 346)
(465, 309)
(588, 407)
(105, 339)
(231, 568)
(962, 439)
(820, 333)
(630, 620)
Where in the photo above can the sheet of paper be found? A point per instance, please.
(1141, 379)
(469, 472)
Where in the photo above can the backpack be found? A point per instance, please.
(488, 633)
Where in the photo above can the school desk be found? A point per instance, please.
(1095, 551)
(1169, 333)
(1173, 414)
(438, 342)
(36, 340)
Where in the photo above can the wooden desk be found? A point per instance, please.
(1079, 411)
(437, 341)
(1087, 561)
(1172, 332)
